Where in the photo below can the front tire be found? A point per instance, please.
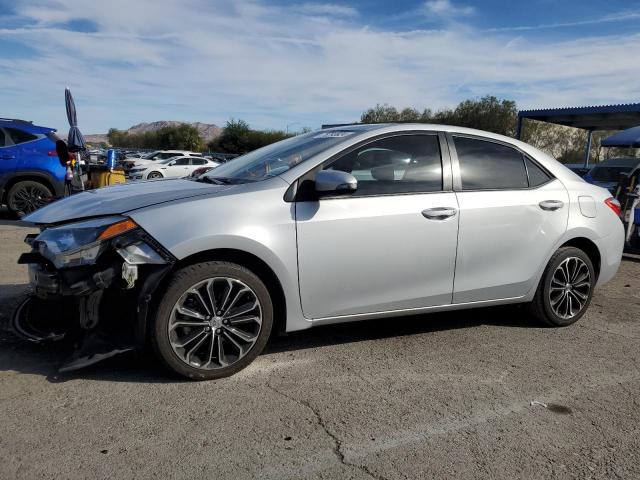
(27, 196)
(565, 289)
(212, 321)
(154, 176)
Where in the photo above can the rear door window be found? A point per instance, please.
(486, 165)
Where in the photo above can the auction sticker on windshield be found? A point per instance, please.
(341, 133)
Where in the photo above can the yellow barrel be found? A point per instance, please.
(105, 178)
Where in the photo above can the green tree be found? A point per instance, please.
(487, 113)
(179, 137)
(238, 137)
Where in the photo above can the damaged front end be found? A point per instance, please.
(92, 283)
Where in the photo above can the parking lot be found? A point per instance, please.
(480, 393)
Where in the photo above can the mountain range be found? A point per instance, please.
(207, 131)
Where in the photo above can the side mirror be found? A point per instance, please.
(335, 182)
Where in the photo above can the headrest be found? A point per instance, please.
(386, 173)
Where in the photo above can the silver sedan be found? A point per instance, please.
(338, 225)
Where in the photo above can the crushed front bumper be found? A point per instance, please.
(98, 310)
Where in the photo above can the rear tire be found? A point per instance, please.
(213, 320)
(565, 289)
(27, 196)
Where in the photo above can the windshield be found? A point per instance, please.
(277, 158)
(150, 155)
(609, 174)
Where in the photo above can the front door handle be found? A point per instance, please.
(551, 205)
(439, 213)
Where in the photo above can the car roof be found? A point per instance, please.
(24, 125)
(366, 131)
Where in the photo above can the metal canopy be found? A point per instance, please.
(593, 118)
(603, 117)
(627, 138)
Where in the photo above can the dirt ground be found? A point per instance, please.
(439, 396)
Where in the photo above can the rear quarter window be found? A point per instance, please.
(20, 136)
(537, 176)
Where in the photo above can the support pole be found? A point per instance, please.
(587, 152)
(519, 128)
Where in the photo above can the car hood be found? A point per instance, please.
(120, 199)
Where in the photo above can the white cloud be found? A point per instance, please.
(609, 18)
(445, 8)
(198, 60)
(330, 9)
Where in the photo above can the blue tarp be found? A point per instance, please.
(629, 138)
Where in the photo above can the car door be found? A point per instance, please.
(8, 156)
(391, 244)
(195, 163)
(178, 167)
(512, 214)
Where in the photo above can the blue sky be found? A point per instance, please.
(278, 63)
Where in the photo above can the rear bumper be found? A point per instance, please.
(610, 248)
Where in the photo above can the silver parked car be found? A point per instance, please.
(338, 225)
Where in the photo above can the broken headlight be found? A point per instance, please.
(80, 243)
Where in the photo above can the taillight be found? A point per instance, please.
(614, 205)
(52, 153)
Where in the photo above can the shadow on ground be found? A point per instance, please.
(21, 356)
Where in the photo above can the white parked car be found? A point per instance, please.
(170, 168)
(148, 158)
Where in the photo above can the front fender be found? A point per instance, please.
(259, 223)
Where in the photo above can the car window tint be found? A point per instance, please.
(537, 176)
(398, 164)
(18, 136)
(182, 161)
(488, 165)
(198, 161)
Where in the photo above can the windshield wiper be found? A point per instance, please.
(220, 180)
(205, 179)
(223, 180)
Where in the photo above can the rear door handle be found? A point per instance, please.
(551, 205)
(439, 213)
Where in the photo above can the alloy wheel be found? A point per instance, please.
(570, 287)
(29, 198)
(154, 176)
(215, 323)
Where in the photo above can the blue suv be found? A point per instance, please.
(30, 172)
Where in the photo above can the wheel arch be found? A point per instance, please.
(42, 178)
(247, 260)
(589, 248)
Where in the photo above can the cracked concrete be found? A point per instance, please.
(337, 448)
(437, 396)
